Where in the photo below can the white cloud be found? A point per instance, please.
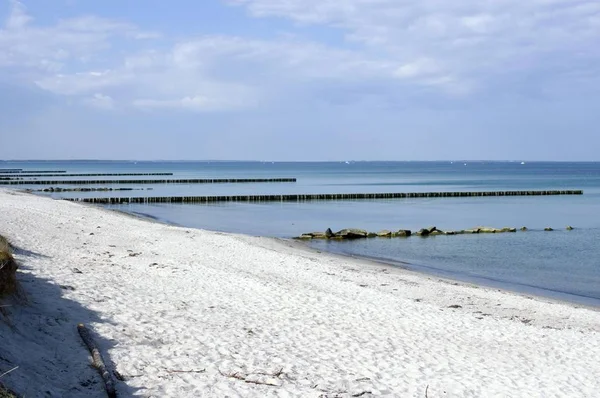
(100, 101)
(41, 48)
(206, 97)
(81, 83)
(469, 40)
(18, 17)
(392, 48)
(420, 67)
(197, 103)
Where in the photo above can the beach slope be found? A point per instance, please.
(190, 313)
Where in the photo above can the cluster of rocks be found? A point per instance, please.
(354, 233)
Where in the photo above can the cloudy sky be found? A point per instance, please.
(300, 79)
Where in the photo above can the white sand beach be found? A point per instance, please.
(190, 313)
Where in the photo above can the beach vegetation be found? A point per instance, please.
(8, 271)
(6, 393)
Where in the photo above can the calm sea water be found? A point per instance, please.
(560, 264)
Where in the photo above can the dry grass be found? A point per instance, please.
(8, 270)
(8, 287)
(4, 245)
(4, 393)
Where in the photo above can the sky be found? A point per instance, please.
(300, 79)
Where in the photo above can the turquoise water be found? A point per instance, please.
(562, 264)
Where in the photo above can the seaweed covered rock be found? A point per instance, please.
(486, 230)
(427, 231)
(352, 233)
(314, 235)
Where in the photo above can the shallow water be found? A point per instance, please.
(563, 264)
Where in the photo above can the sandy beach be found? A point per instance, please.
(182, 312)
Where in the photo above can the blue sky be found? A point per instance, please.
(300, 79)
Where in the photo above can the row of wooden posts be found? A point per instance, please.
(12, 176)
(171, 181)
(20, 171)
(311, 197)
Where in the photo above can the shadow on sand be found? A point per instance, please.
(40, 337)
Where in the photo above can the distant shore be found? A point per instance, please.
(185, 312)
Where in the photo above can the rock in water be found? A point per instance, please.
(423, 232)
(569, 228)
(352, 233)
(523, 229)
(329, 233)
(384, 234)
(429, 231)
(403, 233)
(313, 235)
(548, 229)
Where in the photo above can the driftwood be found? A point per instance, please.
(186, 371)
(244, 378)
(97, 360)
(7, 372)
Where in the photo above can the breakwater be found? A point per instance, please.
(310, 197)
(354, 233)
(91, 175)
(20, 171)
(174, 181)
(86, 189)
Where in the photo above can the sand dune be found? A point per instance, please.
(190, 313)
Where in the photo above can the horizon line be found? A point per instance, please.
(298, 161)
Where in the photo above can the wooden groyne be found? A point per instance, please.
(20, 171)
(91, 175)
(180, 181)
(311, 197)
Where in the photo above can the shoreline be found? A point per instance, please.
(402, 267)
(188, 312)
(471, 281)
(419, 269)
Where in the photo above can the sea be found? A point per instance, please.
(561, 264)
